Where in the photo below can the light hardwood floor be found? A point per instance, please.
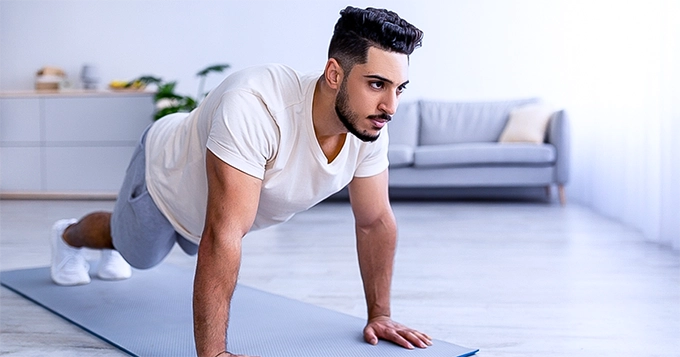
(513, 279)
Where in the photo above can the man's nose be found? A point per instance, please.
(389, 104)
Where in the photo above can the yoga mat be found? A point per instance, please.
(150, 315)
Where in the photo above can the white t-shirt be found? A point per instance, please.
(259, 121)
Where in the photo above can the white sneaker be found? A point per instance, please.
(112, 266)
(69, 266)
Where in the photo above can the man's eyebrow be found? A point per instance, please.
(375, 76)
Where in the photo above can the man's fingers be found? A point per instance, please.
(395, 333)
(423, 337)
(416, 338)
(370, 336)
(396, 337)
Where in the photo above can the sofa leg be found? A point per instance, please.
(563, 197)
(548, 192)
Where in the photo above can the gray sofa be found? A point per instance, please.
(439, 145)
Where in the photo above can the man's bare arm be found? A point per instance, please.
(232, 204)
(376, 233)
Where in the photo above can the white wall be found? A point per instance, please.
(472, 49)
(623, 95)
(669, 215)
(611, 64)
(172, 39)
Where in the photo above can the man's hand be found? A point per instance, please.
(386, 329)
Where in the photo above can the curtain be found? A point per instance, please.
(624, 98)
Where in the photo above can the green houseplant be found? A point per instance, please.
(168, 101)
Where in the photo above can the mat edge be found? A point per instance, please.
(121, 348)
(2, 283)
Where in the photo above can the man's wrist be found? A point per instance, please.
(373, 317)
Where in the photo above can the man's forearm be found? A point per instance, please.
(376, 246)
(216, 275)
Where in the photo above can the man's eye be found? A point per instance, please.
(377, 85)
(401, 89)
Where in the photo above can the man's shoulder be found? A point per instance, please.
(263, 78)
(275, 86)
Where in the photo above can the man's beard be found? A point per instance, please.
(349, 118)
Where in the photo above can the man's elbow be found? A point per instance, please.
(384, 223)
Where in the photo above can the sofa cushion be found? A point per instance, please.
(527, 124)
(400, 155)
(484, 154)
(452, 123)
(403, 128)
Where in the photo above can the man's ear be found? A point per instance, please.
(333, 73)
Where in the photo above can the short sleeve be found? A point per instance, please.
(375, 161)
(243, 133)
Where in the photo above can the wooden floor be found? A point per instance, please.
(513, 279)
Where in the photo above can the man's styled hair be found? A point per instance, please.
(359, 29)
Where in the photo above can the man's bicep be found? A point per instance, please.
(233, 197)
(369, 198)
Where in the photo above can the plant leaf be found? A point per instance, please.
(213, 68)
(167, 90)
(149, 80)
(188, 103)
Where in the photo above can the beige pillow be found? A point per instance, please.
(527, 124)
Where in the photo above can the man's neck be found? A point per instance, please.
(329, 131)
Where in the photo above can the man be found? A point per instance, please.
(265, 144)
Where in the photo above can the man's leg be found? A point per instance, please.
(69, 266)
(92, 231)
(136, 229)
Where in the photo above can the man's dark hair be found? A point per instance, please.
(359, 29)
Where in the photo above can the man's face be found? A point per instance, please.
(369, 95)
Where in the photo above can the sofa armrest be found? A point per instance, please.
(559, 136)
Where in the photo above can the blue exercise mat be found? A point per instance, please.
(150, 315)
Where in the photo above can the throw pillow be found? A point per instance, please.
(527, 124)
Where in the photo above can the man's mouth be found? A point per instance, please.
(380, 120)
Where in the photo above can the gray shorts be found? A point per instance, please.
(140, 232)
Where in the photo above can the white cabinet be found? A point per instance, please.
(72, 143)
